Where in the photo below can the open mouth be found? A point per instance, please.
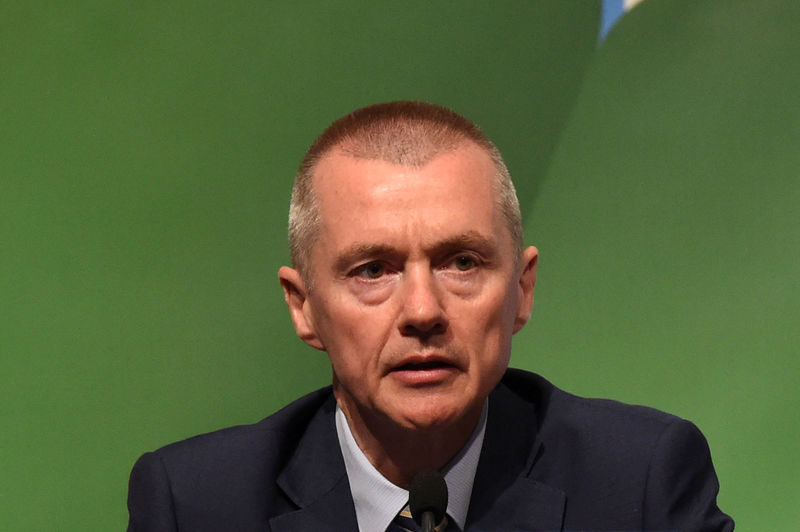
(431, 372)
(422, 366)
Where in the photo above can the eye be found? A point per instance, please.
(464, 263)
(371, 270)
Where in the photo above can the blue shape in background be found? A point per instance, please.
(612, 11)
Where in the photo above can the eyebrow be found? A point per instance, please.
(472, 240)
(469, 240)
(361, 251)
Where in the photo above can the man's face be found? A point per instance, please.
(415, 290)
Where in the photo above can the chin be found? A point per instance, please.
(433, 414)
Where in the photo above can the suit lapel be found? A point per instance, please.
(316, 481)
(504, 495)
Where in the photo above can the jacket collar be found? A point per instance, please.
(316, 481)
(505, 495)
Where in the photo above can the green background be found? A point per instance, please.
(146, 157)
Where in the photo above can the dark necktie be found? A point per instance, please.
(403, 522)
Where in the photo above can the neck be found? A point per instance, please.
(399, 453)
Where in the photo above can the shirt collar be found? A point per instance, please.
(377, 501)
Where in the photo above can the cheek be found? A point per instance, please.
(487, 326)
(494, 310)
(351, 334)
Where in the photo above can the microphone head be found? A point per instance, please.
(428, 493)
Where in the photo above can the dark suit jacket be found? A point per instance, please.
(550, 461)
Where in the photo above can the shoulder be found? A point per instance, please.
(642, 463)
(227, 474)
(582, 441)
(607, 433)
(272, 435)
(560, 414)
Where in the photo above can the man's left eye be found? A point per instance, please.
(464, 263)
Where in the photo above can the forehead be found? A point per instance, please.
(452, 193)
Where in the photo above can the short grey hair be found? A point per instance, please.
(404, 133)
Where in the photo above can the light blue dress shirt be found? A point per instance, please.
(377, 501)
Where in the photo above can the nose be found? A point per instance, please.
(423, 314)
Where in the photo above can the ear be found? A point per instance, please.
(296, 297)
(527, 280)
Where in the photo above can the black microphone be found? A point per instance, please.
(427, 499)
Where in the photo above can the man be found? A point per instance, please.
(409, 272)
